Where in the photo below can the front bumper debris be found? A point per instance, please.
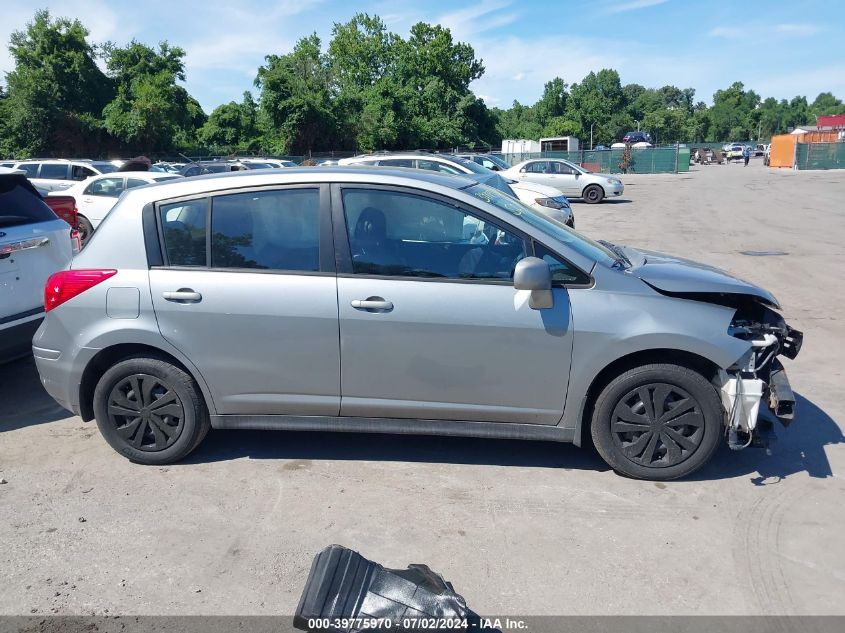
(758, 377)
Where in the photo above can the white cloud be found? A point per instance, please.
(633, 5)
(477, 18)
(798, 29)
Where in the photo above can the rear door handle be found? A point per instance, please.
(182, 295)
(372, 304)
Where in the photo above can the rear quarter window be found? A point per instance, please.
(19, 205)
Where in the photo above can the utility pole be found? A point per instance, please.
(591, 134)
(638, 125)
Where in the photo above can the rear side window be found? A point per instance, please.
(396, 162)
(80, 172)
(18, 205)
(135, 182)
(184, 229)
(53, 171)
(31, 169)
(106, 187)
(269, 230)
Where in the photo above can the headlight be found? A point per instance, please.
(552, 203)
(614, 181)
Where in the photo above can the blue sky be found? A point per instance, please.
(777, 48)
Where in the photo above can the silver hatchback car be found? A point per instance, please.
(382, 300)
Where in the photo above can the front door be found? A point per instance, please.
(253, 302)
(564, 177)
(430, 324)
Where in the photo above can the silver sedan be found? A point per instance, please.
(573, 180)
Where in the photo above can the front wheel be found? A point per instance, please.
(593, 194)
(657, 422)
(150, 411)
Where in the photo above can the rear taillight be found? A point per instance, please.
(75, 241)
(65, 285)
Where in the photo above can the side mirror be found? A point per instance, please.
(533, 274)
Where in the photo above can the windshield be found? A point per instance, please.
(577, 242)
(471, 165)
(104, 168)
(576, 167)
(501, 162)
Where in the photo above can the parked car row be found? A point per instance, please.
(548, 200)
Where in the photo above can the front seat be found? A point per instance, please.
(371, 251)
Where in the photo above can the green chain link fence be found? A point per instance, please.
(820, 156)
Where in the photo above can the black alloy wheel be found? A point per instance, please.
(146, 412)
(657, 425)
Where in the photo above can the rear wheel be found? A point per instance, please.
(86, 229)
(150, 411)
(593, 194)
(658, 422)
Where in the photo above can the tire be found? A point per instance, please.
(622, 407)
(151, 438)
(593, 194)
(571, 223)
(86, 229)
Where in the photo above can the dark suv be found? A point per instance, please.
(637, 137)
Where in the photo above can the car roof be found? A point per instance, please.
(209, 183)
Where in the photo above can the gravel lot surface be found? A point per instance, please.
(518, 527)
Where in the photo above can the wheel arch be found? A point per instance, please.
(108, 356)
(691, 360)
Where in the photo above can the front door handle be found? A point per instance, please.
(372, 304)
(185, 295)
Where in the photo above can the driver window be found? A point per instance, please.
(561, 168)
(406, 235)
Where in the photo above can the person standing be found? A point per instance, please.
(746, 154)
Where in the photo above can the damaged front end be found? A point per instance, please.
(758, 376)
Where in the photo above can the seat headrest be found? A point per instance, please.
(371, 225)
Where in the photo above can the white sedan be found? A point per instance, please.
(96, 196)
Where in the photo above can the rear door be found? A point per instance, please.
(34, 244)
(564, 177)
(253, 301)
(54, 176)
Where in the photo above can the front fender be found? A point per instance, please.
(609, 326)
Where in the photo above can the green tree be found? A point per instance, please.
(232, 127)
(594, 101)
(826, 104)
(55, 92)
(733, 115)
(150, 111)
(295, 107)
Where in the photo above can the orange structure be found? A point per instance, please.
(783, 150)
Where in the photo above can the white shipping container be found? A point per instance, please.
(520, 146)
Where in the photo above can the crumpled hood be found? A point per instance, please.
(676, 275)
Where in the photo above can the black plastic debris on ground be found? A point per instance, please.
(345, 592)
